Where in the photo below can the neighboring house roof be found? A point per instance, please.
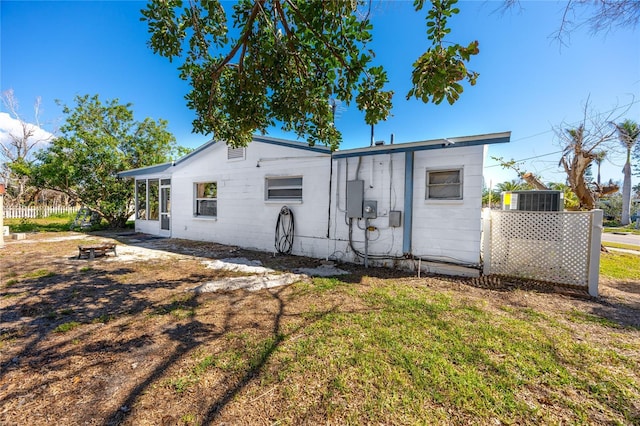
(357, 152)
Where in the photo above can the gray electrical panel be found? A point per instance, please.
(394, 218)
(370, 209)
(355, 197)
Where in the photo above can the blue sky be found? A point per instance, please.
(528, 82)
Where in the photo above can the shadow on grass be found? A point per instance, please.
(193, 334)
(626, 312)
(44, 306)
(73, 297)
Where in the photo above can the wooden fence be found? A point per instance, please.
(33, 212)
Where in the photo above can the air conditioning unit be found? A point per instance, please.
(533, 201)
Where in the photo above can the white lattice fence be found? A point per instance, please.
(547, 246)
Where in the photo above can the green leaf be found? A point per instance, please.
(286, 59)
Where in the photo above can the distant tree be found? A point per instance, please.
(18, 148)
(96, 142)
(588, 173)
(571, 202)
(636, 156)
(289, 58)
(581, 145)
(599, 158)
(612, 206)
(490, 197)
(532, 181)
(599, 16)
(628, 133)
(512, 185)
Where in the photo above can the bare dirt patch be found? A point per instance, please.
(125, 340)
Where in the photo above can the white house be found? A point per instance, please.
(389, 204)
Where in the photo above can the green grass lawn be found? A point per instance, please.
(629, 229)
(45, 224)
(413, 355)
(621, 246)
(621, 266)
(60, 223)
(363, 350)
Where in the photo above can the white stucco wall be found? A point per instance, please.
(383, 177)
(448, 230)
(244, 217)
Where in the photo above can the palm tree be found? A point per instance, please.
(599, 158)
(628, 133)
(571, 202)
(511, 185)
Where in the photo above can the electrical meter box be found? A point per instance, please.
(355, 198)
(394, 218)
(370, 209)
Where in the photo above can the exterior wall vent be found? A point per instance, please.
(533, 201)
(236, 153)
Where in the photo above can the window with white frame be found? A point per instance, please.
(444, 184)
(206, 199)
(283, 188)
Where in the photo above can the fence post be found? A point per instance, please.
(486, 241)
(594, 255)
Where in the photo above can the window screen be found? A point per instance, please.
(284, 188)
(206, 199)
(444, 184)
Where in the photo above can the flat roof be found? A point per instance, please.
(444, 143)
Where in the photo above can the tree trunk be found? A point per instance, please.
(626, 195)
(575, 173)
(534, 181)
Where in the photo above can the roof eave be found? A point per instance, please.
(155, 169)
(444, 143)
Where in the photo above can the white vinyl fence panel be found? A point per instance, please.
(558, 247)
(32, 212)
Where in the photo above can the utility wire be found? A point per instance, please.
(529, 158)
(551, 130)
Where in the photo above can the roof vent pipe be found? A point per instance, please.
(372, 140)
(391, 142)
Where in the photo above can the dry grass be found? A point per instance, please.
(123, 341)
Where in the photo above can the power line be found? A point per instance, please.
(529, 158)
(577, 122)
(551, 130)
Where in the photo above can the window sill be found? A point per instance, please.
(283, 201)
(444, 202)
(208, 218)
